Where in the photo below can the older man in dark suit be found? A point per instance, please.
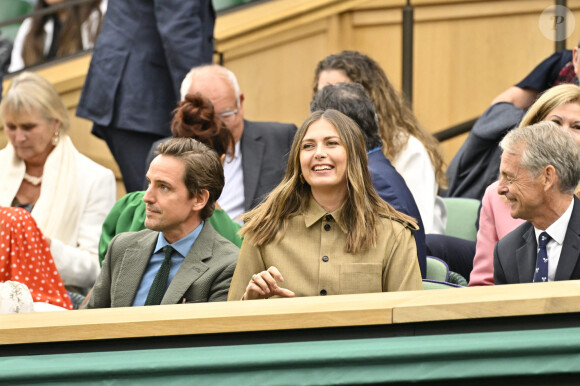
(261, 148)
(540, 169)
(180, 258)
(144, 50)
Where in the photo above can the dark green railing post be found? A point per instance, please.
(560, 29)
(408, 52)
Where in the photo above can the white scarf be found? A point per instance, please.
(56, 211)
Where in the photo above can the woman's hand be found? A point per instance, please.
(264, 285)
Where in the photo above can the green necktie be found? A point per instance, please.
(159, 285)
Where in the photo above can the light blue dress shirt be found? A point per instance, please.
(181, 249)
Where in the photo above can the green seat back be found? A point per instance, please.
(10, 9)
(461, 217)
(436, 269)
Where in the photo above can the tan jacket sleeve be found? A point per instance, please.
(402, 271)
(250, 261)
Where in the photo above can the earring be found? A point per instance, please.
(55, 138)
(302, 179)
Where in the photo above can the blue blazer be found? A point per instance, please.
(392, 188)
(143, 52)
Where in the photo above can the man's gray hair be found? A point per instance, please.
(210, 69)
(543, 144)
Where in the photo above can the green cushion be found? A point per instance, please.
(456, 278)
(224, 4)
(436, 269)
(10, 9)
(462, 217)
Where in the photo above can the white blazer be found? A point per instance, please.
(75, 197)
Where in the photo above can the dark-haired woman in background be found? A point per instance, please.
(412, 150)
(54, 35)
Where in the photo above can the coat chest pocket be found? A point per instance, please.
(360, 278)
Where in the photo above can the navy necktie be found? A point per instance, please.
(541, 273)
(159, 285)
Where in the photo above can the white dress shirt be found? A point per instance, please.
(232, 197)
(557, 232)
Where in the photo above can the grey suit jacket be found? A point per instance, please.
(515, 254)
(265, 147)
(204, 275)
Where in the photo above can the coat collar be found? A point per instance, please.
(315, 212)
(571, 246)
(526, 254)
(133, 265)
(192, 267)
(137, 257)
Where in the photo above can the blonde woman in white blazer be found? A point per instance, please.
(68, 195)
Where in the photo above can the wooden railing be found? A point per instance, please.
(396, 308)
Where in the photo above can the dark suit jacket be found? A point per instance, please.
(265, 147)
(514, 257)
(204, 275)
(392, 188)
(141, 56)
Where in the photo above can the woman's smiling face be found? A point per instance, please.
(323, 157)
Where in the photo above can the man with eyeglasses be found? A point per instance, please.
(261, 150)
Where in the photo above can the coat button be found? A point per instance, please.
(325, 258)
(328, 217)
(323, 292)
(327, 227)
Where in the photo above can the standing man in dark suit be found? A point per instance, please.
(261, 150)
(144, 50)
(539, 171)
(180, 257)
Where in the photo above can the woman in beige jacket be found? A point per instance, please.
(324, 230)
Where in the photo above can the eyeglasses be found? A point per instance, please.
(228, 114)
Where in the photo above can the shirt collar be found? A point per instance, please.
(182, 246)
(314, 212)
(374, 150)
(557, 230)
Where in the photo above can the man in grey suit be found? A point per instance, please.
(180, 257)
(539, 171)
(144, 49)
(261, 152)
